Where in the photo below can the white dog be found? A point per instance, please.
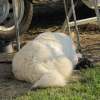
(48, 60)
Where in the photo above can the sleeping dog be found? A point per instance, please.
(48, 60)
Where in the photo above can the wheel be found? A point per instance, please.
(7, 27)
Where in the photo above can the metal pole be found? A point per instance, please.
(83, 21)
(66, 12)
(97, 11)
(74, 15)
(15, 8)
(69, 16)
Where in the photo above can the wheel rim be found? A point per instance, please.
(7, 16)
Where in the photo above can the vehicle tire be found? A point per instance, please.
(7, 27)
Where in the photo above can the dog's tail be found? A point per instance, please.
(51, 78)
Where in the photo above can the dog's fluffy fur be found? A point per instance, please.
(48, 60)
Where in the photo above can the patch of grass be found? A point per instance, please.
(42, 27)
(87, 88)
(8, 88)
(34, 30)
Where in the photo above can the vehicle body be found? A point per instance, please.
(25, 14)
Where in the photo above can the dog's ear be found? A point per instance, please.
(72, 35)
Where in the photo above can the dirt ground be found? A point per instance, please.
(90, 45)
